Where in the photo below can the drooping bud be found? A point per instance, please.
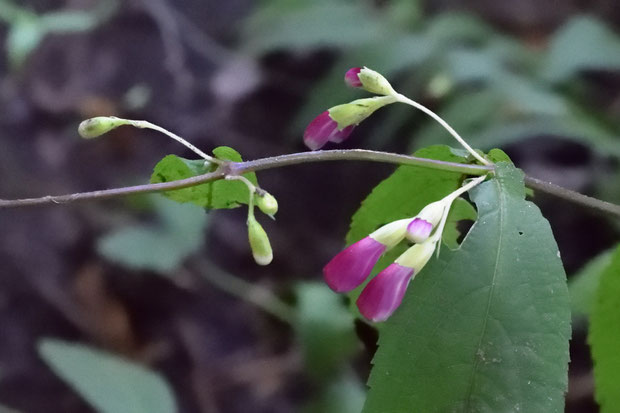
(267, 203)
(384, 293)
(324, 129)
(423, 224)
(95, 127)
(351, 114)
(353, 265)
(374, 82)
(351, 78)
(259, 242)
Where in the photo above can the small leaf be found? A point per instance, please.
(484, 328)
(604, 337)
(161, 247)
(23, 38)
(584, 284)
(109, 383)
(215, 195)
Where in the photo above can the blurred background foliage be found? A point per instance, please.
(147, 282)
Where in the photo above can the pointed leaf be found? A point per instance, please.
(484, 328)
(109, 383)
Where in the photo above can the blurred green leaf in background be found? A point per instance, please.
(109, 383)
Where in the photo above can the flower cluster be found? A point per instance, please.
(384, 293)
(336, 124)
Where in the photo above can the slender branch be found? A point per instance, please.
(582, 200)
(238, 168)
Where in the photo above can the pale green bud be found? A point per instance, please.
(259, 242)
(374, 82)
(353, 113)
(267, 203)
(392, 233)
(423, 224)
(94, 127)
(417, 256)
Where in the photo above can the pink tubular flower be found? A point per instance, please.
(324, 129)
(419, 230)
(384, 293)
(351, 266)
(351, 77)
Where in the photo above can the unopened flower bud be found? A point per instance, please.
(422, 225)
(259, 242)
(94, 127)
(267, 203)
(352, 113)
(374, 82)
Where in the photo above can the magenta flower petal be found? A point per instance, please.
(340, 135)
(351, 266)
(324, 129)
(351, 78)
(419, 230)
(319, 131)
(384, 293)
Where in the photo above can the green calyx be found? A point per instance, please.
(353, 113)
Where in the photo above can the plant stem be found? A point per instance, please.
(587, 202)
(404, 99)
(232, 168)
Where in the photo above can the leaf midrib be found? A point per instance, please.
(476, 363)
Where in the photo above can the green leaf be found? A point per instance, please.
(599, 48)
(583, 285)
(484, 328)
(324, 326)
(215, 195)
(109, 383)
(162, 247)
(604, 337)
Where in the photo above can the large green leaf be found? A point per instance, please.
(604, 337)
(109, 383)
(484, 328)
(215, 195)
